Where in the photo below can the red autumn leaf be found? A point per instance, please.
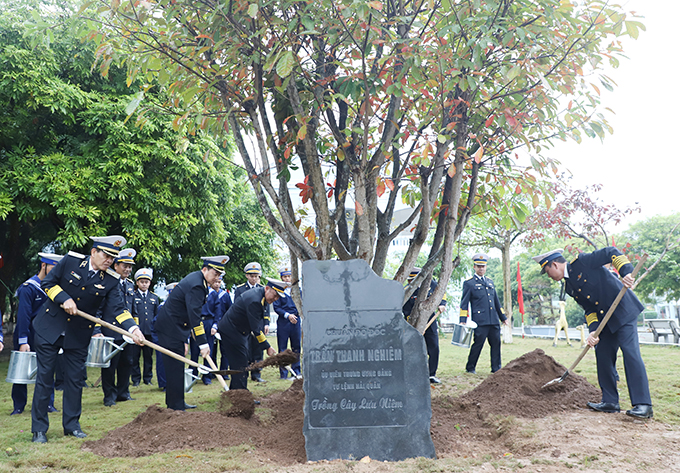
(358, 208)
(381, 188)
(390, 184)
(489, 121)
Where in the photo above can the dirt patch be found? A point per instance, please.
(237, 403)
(517, 389)
(506, 418)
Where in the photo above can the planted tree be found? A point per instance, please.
(376, 102)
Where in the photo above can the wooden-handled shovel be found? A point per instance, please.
(201, 368)
(601, 326)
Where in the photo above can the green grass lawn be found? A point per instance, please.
(17, 453)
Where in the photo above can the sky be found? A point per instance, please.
(639, 164)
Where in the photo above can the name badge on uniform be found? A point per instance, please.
(75, 275)
(99, 286)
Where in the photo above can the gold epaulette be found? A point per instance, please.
(76, 255)
(111, 272)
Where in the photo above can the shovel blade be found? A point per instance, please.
(556, 380)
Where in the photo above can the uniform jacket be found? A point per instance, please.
(283, 306)
(243, 288)
(69, 280)
(126, 289)
(145, 309)
(31, 298)
(594, 288)
(408, 307)
(246, 315)
(486, 309)
(181, 312)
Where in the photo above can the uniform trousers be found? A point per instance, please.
(160, 367)
(73, 361)
(256, 354)
(147, 354)
(625, 338)
(174, 373)
(431, 336)
(236, 348)
(195, 352)
(116, 378)
(288, 331)
(492, 333)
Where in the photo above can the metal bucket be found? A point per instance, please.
(462, 334)
(189, 380)
(23, 366)
(101, 350)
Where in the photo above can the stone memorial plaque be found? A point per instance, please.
(366, 381)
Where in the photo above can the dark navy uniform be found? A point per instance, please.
(144, 310)
(31, 298)
(486, 311)
(222, 308)
(55, 329)
(594, 288)
(256, 353)
(285, 330)
(208, 314)
(116, 378)
(431, 335)
(244, 317)
(177, 317)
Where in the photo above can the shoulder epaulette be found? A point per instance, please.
(471, 277)
(111, 272)
(151, 292)
(572, 261)
(76, 255)
(241, 285)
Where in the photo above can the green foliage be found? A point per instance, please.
(652, 236)
(72, 166)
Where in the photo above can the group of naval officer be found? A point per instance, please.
(49, 325)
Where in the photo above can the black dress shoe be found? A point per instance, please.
(471, 371)
(125, 398)
(258, 380)
(257, 403)
(52, 409)
(608, 407)
(109, 403)
(75, 433)
(39, 437)
(641, 411)
(16, 411)
(148, 383)
(189, 406)
(135, 384)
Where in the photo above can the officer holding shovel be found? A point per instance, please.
(76, 283)
(179, 316)
(595, 288)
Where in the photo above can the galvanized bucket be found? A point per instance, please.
(101, 350)
(189, 380)
(462, 334)
(23, 366)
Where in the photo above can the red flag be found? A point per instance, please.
(520, 294)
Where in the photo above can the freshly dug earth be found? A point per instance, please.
(285, 358)
(507, 418)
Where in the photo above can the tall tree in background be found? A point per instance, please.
(71, 167)
(578, 214)
(422, 101)
(660, 238)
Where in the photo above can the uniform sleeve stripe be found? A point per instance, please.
(53, 291)
(463, 313)
(591, 318)
(261, 338)
(619, 261)
(123, 317)
(199, 330)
